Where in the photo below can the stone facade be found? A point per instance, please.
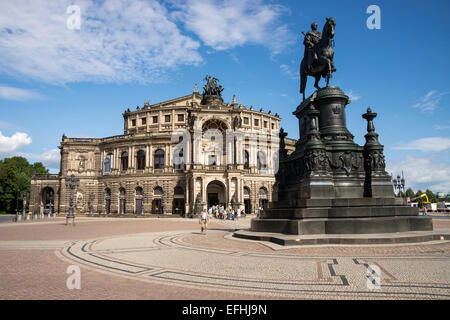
(168, 160)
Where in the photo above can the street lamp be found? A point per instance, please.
(71, 184)
(399, 183)
(91, 203)
(25, 196)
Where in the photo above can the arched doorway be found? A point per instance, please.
(247, 202)
(139, 200)
(157, 203)
(107, 201)
(48, 200)
(216, 193)
(122, 200)
(178, 201)
(262, 195)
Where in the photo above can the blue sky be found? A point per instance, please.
(54, 80)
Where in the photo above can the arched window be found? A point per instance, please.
(159, 159)
(178, 191)
(246, 160)
(124, 160)
(141, 160)
(178, 159)
(158, 191)
(139, 191)
(107, 164)
(262, 164)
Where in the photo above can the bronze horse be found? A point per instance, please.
(323, 65)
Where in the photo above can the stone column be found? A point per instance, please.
(204, 193)
(150, 156)
(186, 197)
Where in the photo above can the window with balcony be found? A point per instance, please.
(124, 160)
(141, 160)
(107, 164)
(159, 159)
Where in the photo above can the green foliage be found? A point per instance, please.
(409, 193)
(431, 196)
(15, 177)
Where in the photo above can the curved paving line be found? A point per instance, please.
(224, 283)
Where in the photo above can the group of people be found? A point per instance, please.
(219, 212)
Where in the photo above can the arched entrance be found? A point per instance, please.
(247, 202)
(157, 203)
(122, 200)
(139, 201)
(48, 200)
(178, 201)
(263, 199)
(107, 201)
(216, 193)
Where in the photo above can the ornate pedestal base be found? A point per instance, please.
(330, 185)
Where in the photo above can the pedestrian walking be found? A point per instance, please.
(204, 221)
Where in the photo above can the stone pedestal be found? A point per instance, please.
(331, 185)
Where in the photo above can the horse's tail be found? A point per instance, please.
(302, 78)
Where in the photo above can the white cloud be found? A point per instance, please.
(441, 127)
(230, 23)
(17, 94)
(10, 144)
(429, 101)
(353, 96)
(430, 172)
(119, 41)
(426, 144)
(289, 72)
(50, 159)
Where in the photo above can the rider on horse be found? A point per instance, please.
(318, 58)
(311, 39)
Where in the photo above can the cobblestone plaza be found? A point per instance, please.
(149, 258)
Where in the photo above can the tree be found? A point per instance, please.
(409, 193)
(431, 196)
(420, 200)
(15, 178)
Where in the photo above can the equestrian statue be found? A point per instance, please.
(318, 58)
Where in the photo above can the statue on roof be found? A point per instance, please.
(211, 87)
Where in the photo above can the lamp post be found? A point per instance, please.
(163, 204)
(399, 183)
(25, 196)
(91, 204)
(71, 184)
